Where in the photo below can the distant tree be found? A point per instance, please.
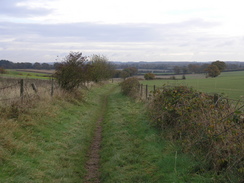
(124, 74)
(116, 73)
(203, 68)
(37, 65)
(212, 71)
(72, 72)
(46, 66)
(100, 68)
(184, 69)
(231, 66)
(176, 69)
(131, 70)
(193, 68)
(6, 64)
(149, 76)
(221, 65)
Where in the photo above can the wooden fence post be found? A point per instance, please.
(141, 90)
(34, 87)
(52, 83)
(146, 91)
(216, 99)
(21, 89)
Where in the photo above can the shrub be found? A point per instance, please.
(2, 70)
(201, 125)
(149, 76)
(72, 72)
(130, 87)
(100, 69)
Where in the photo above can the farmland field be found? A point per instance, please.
(231, 84)
(28, 73)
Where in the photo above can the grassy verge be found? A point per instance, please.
(49, 142)
(132, 151)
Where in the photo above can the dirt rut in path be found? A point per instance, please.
(92, 164)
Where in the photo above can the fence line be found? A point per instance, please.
(10, 86)
(23, 88)
(144, 92)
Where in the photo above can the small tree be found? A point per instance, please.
(72, 72)
(213, 71)
(124, 74)
(101, 69)
(131, 70)
(149, 76)
(221, 65)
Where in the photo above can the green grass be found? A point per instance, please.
(49, 143)
(230, 84)
(22, 74)
(132, 151)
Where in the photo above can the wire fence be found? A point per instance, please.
(146, 93)
(15, 90)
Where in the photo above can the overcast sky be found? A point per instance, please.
(122, 30)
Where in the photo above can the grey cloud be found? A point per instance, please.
(10, 8)
(109, 39)
(82, 31)
(105, 32)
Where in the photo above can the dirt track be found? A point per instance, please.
(93, 162)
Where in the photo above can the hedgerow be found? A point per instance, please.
(130, 87)
(205, 126)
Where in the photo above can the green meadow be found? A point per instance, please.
(33, 74)
(231, 84)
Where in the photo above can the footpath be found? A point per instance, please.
(125, 148)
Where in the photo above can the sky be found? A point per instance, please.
(122, 30)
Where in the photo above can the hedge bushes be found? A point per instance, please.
(204, 127)
(130, 87)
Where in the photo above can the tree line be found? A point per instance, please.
(6, 64)
(212, 70)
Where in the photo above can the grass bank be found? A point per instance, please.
(132, 151)
(49, 141)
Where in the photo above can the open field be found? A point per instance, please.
(230, 84)
(28, 73)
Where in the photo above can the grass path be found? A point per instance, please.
(93, 162)
(132, 151)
